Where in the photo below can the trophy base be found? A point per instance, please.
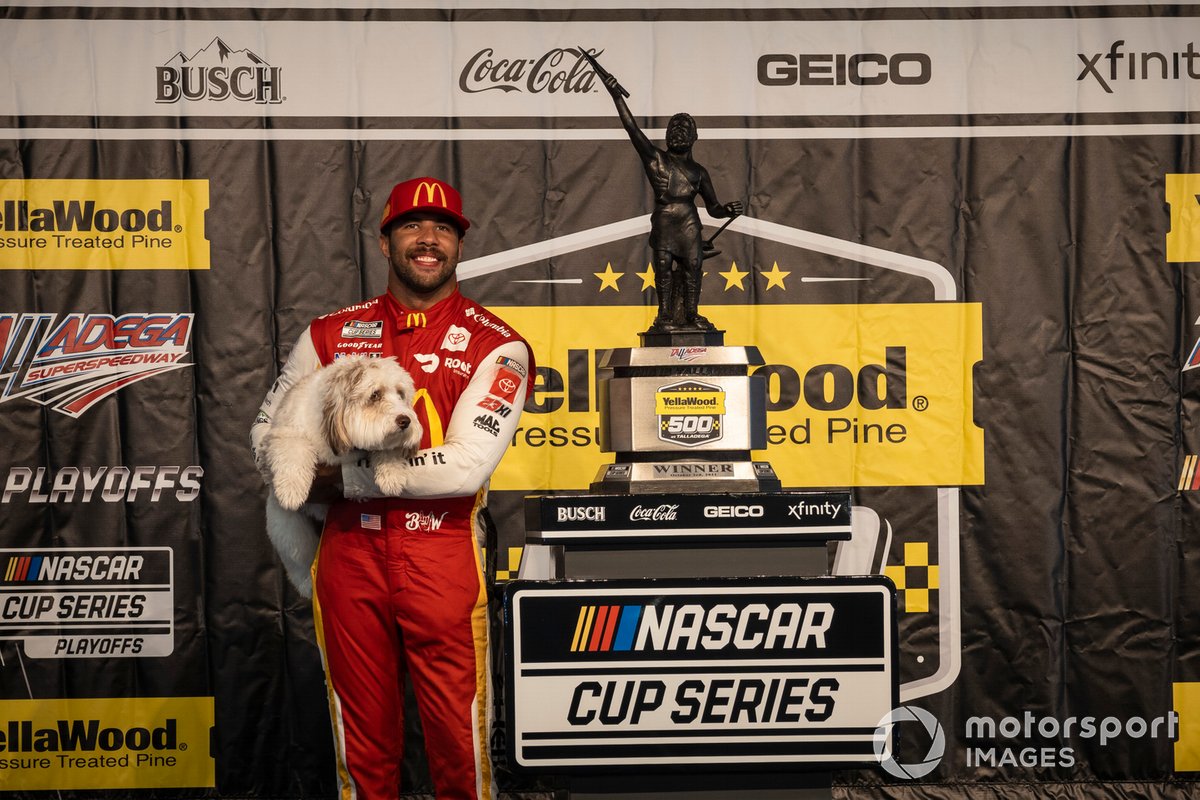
(700, 337)
(685, 476)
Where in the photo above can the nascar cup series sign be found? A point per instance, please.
(722, 673)
(88, 601)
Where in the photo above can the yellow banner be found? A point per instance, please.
(108, 743)
(858, 395)
(1183, 240)
(103, 224)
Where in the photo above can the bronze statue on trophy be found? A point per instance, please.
(675, 231)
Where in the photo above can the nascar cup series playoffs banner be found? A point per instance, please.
(968, 259)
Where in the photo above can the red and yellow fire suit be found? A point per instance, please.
(398, 584)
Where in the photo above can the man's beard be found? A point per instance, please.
(421, 281)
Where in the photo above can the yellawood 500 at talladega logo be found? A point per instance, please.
(859, 395)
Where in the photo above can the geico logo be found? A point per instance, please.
(824, 387)
(738, 512)
(112, 484)
(581, 514)
(79, 735)
(458, 363)
(839, 69)
(251, 84)
(74, 215)
(754, 626)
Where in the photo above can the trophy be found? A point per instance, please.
(682, 412)
(681, 529)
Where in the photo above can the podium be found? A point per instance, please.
(700, 534)
(674, 631)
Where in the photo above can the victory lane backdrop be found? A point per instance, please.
(1052, 363)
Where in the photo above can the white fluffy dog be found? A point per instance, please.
(354, 404)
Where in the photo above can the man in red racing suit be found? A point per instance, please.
(398, 584)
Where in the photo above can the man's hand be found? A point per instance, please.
(734, 209)
(327, 485)
(614, 88)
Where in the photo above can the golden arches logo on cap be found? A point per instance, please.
(424, 194)
(430, 190)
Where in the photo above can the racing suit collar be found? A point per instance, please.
(434, 316)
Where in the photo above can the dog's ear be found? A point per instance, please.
(339, 398)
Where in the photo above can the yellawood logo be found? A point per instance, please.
(858, 395)
(109, 743)
(103, 224)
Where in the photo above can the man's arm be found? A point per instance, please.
(481, 426)
(302, 361)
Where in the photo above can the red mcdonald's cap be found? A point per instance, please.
(424, 194)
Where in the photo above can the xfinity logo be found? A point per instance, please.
(562, 69)
(581, 514)
(218, 73)
(735, 512)
(840, 69)
(1125, 65)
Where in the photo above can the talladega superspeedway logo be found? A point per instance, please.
(74, 363)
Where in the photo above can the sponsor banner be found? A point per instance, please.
(1183, 237)
(103, 224)
(574, 518)
(88, 602)
(726, 673)
(774, 67)
(71, 363)
(106, 743)
(858, 395)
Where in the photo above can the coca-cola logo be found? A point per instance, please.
(562, 69)
(662, 513)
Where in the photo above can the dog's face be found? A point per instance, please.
(368, 406)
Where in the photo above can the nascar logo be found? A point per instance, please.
(755, 626)
(74, 364)
(356, 329)
(57, 568)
